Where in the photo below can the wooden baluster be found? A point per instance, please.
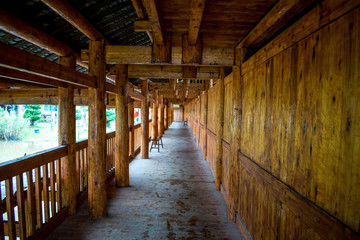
(31, 212)
(52, 186)
(2, 233)
(81, 162)
(86, 167)
(46, 193)
(38, 198)
(77, 159)
(58, 183)
(21, 205)
(10, 209)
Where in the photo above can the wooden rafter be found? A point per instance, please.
(197, 9)
(12, 24)
(70, 14)
(273, 21)
(19, 60)
(154, 14)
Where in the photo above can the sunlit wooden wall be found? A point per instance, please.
(299, 148)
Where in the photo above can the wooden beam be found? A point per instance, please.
(31, 78)
(196, 13)
(155, 18)
(142, 26)
(17, 59)
(172, 84)
(161, 53)
(144, 120)
(97, 132)
(172, 72)
(191, 53)
(122, 128)
(9, 83)
(24, 96)
(282, 12)
(161, 116)
(67, 136)
(70, 14)
(195, 55)
(139, 8)
(12, 24)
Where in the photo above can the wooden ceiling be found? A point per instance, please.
(163, 40)
(224, 23)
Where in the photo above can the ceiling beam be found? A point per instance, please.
(280, 15)
(31, 78)
(154, 14)
(196, 13)
(70, 14)
(208, 56)
(141, 13)
(166, 72)
(20, 60)
(24, 96)
(15, 26)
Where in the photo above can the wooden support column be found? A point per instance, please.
(97, 132)
(161, 116)
(205, 118)
(67, 136)
(235, 135)
(132, 132)
(122, 128)
(166, 115)
(219, 128)
(144, 120)
(154, 116)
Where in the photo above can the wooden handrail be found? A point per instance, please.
(23, 164)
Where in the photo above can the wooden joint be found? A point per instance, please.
(162, 53)
(191, 53)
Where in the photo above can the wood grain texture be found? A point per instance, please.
(97, 132)
(144, 121)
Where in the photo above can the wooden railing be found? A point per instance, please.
(30, 193)
(31, 187)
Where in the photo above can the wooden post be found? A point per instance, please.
(144, 121)
(67, 136)
(132, 131)
(205, 118)
(97, 132)
(219, 128)
(154, 116)
(235, 137)
(166, 115)
(122, 128)
(161, 116)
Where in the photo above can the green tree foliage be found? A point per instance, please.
(11, 127)
(78, 114)
(110, 116)
(33, 114)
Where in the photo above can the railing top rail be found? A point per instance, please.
(23, 164)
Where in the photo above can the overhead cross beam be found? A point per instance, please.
(282, 12)
(154, 14)
(196, 13)
(70, 14)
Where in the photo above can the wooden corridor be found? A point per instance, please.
(171, 196)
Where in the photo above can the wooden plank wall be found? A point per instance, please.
(299, 171)
(178, 114)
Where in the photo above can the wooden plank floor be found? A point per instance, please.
(172, 196)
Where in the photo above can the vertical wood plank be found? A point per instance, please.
(132, 130)
(31, 207)
(21, 205)
(52, 187)
(2, 232)
(45, 192)
(219, 129)
(38, 198)
(10, 209)
(58, 184)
